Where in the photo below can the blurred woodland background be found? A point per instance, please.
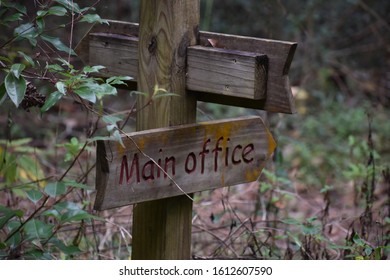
(325, 195)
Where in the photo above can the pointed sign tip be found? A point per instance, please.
(271, 143)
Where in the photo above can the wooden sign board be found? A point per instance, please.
(226, 69)
(166, 162)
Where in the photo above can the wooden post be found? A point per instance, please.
(162, 228)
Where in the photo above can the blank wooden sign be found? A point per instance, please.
(167, 162)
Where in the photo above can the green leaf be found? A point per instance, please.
(76, 215)
(368, 251)
(110, 119)
(93, 18)
(68, 250)
(265, 187)
(56, 42)
(378, 253)
(17, 69)
(72, 148)
(291, 221)
(54, 97)
(75, 184)
(118, 80)
(93, 69)
(105, 89)
(52, 213)
(34, 195)
(61, 87)
(118, 137)
(19, 7)
(57, 11)
(312, 219)
(15, 87)
(54, 68)
(27, 31)
(138, 93)
(111, 127)
(54, 189)
(29, 168)
(164, 94)
(70, 5)
(99, 138)
(65, 62)
(36, 229)
(86, 93)
(3, 94)
(358, 241)
(27, 58)
(5, 215)
(66, 205)
(41, 13)
(16, 142)
(16, 238)
(40, 23)
(13, 17)
(310, 229)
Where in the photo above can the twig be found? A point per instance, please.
(217, 237)
(374, 14)
(139, 149)
(71, 33)
(155, 162)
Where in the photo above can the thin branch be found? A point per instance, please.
(218, 238)
(71, 33)
(155, 162)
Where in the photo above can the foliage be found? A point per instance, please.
(325, 195)
(36, 59)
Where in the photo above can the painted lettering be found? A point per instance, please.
(215, 151)
(246, 151)
(125, 169)
(221, 154)
(159, 165)
(203, 154)
(148, 167)
(171, 160)
(227, 153)
(234, 160)
(193, 159)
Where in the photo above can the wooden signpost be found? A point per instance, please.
(231, 70)
(170, 156)
(166, 162)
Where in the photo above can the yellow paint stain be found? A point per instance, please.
(165, 139)
(120, 149)
(141, 142)
(271, 143)
(252, 174)
(217, 131)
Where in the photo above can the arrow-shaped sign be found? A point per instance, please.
(233, 70)
(167, 162)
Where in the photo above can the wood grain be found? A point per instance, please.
(162, 228)
(119, 54)
(226, 72)
(187, 158)
(279, 54)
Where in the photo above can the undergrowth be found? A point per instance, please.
(325, 195)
